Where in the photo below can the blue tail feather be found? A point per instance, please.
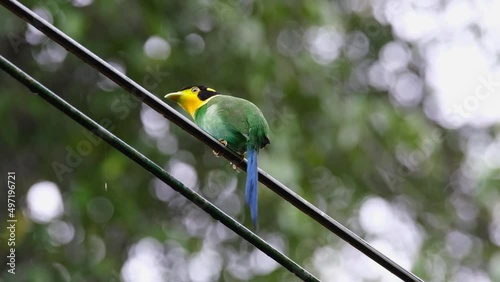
(252, 184)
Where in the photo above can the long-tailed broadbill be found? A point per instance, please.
(235, 122)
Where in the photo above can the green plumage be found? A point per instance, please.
(235, 120)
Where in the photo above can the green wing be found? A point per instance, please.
(235, 120)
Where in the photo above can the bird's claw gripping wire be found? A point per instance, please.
(217, 154)
(224, 142)
(236, 166)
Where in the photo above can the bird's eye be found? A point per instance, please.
(194, 89)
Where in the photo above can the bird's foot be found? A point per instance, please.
(224, 142)
(236, 166)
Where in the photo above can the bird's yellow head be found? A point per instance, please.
(191, 98)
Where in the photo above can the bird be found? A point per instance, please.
(237, 123)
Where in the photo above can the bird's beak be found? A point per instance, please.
(174, 96)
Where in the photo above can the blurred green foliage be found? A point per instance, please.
(336, 140)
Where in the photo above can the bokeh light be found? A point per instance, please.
(157, 48)
(44, 202)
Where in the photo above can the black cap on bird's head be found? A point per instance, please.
(201, 91)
